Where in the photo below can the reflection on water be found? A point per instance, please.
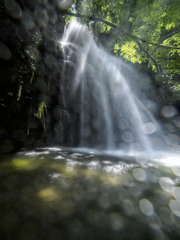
(54, 193)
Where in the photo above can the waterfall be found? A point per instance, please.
(110, 116)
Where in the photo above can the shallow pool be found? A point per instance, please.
(55, 193)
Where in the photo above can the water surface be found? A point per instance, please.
(54, 193)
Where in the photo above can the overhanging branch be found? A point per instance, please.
(149, 56)
(135, 38)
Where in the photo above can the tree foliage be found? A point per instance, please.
(143, 31)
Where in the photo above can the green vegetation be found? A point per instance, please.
(140, 31)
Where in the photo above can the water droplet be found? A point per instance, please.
(146, 207)
(176, 193)
(41, 17)
(141, 159)
(13, 8)
(64, 4)
(157, 143)
(139, 174)
(53, 16)
(166, 184)
(123, 124)
(27, 21)
(128, 207)
(176, 122)
(135, 147)
(116, 221)
(175, 207)
(50, 60)
(166, 215)
(127, 136)
(168, 111)
(172, 139)
(4, 52)
(154, 221)
(103, 201)
(149, 128)
(176, 170)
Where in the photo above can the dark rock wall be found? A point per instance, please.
(32, 96)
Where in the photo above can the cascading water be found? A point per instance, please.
(110, 116)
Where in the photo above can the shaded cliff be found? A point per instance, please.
(32, 102)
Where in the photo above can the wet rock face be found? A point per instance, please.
(31, 85)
